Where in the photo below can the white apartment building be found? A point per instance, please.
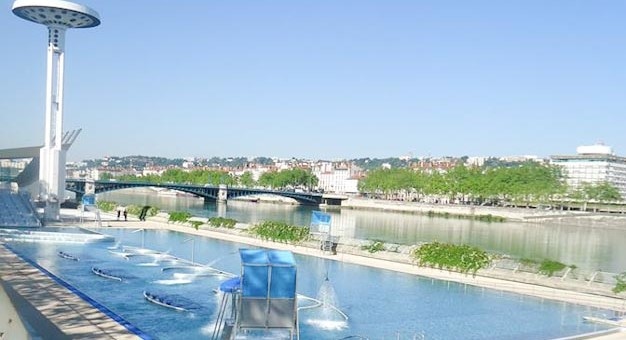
(594, 164)
(337, 177)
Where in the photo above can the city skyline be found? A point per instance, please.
(327, 80)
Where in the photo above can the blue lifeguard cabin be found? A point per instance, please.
(263, 298)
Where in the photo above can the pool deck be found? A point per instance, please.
(47, 308)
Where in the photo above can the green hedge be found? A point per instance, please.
(549, 267)
(462, 258)
(179, 216)
(196, 224)
(280, 232)
(222, 222)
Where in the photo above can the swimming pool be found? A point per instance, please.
(381, 304)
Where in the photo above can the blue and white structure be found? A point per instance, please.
(58, 16)
(262, 299)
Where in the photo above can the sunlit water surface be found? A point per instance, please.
(380, 304)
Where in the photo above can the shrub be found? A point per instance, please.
(179, 216)
(374, 247)
(153, 211)
(280, 232)
(549, 267)
(462, 258)
(133, 209)
(196, 224)
(620, 285)
(222, 222)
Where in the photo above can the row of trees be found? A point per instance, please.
(525, 183)
(291, 178)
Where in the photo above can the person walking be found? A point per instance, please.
(144, 212)
(119, 212)
(125, 214)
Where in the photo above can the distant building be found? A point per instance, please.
(594, 164)
(441, 165)
(337, 177)
(522, 158)
(475, 161)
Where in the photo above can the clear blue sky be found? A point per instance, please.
(326, 79)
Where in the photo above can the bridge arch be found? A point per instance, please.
(209, 193)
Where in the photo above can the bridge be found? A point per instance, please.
(209, 193)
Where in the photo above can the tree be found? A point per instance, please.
(599, 192)
(288, 178)
(246, 179)
(105, 176)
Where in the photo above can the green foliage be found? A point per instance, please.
(387, 181)
(462, 258)
(196, 224)
(222, 222)
(105, 176)
(106, 206)
(288, 178)
(153, 211)
(133, 209)
(526, 182)
(280, 232)
(180, 176)
(374, 247)
(246, 179)
(600, 192)
(375, 163)
(549, 267)
(179, 216)
(620, 285)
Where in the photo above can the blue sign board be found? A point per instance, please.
(321, 220)
(89, 200)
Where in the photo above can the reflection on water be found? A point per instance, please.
(586, 247)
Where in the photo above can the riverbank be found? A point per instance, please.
(469, 211)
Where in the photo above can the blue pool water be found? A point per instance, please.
(381, 304)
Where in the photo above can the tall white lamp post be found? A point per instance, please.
(58, 16)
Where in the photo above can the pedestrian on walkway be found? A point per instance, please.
(125, 214)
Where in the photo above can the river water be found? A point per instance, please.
(588, 247)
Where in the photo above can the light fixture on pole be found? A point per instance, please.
(58, 16)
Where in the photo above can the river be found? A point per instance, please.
(587, 247)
